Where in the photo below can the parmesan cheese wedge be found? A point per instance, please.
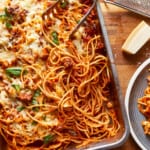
(137, 38)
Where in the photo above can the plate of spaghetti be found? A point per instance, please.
(57, 92)
(137, 105)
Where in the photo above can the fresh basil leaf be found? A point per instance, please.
(8, 25)
(34, 99)
(63, 4)
(15, 71)
(55, 38)
(56, 41)
(7, 18)
(47, 138)
(34, 102)
(37, 93)
(55, 35)
(3, 17)
(6, 12)
(16, 86)
(20, 108)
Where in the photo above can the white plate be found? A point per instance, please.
(135, 90)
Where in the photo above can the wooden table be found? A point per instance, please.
(119, 23)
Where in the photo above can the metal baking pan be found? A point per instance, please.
(140, 7)
(122, 135)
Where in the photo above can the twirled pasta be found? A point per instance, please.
(144, 107)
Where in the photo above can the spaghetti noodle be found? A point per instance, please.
(54, 92)
(144, 107)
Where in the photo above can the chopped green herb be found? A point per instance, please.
(47, 138)
(16, 86)
(3, 17)
(7, 18)
(20, 108)
(8, 25)
(37, 93)
(55, 38)
(54, 34)
(15, 71)
(34, 102)
(63, 4)
(6, 12)
(34, 99)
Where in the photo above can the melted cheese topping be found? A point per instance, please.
(20, 43)
(32, 45)
(31, 26)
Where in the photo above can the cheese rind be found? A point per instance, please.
(137, 38)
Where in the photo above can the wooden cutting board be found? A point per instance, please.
(119, 24)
